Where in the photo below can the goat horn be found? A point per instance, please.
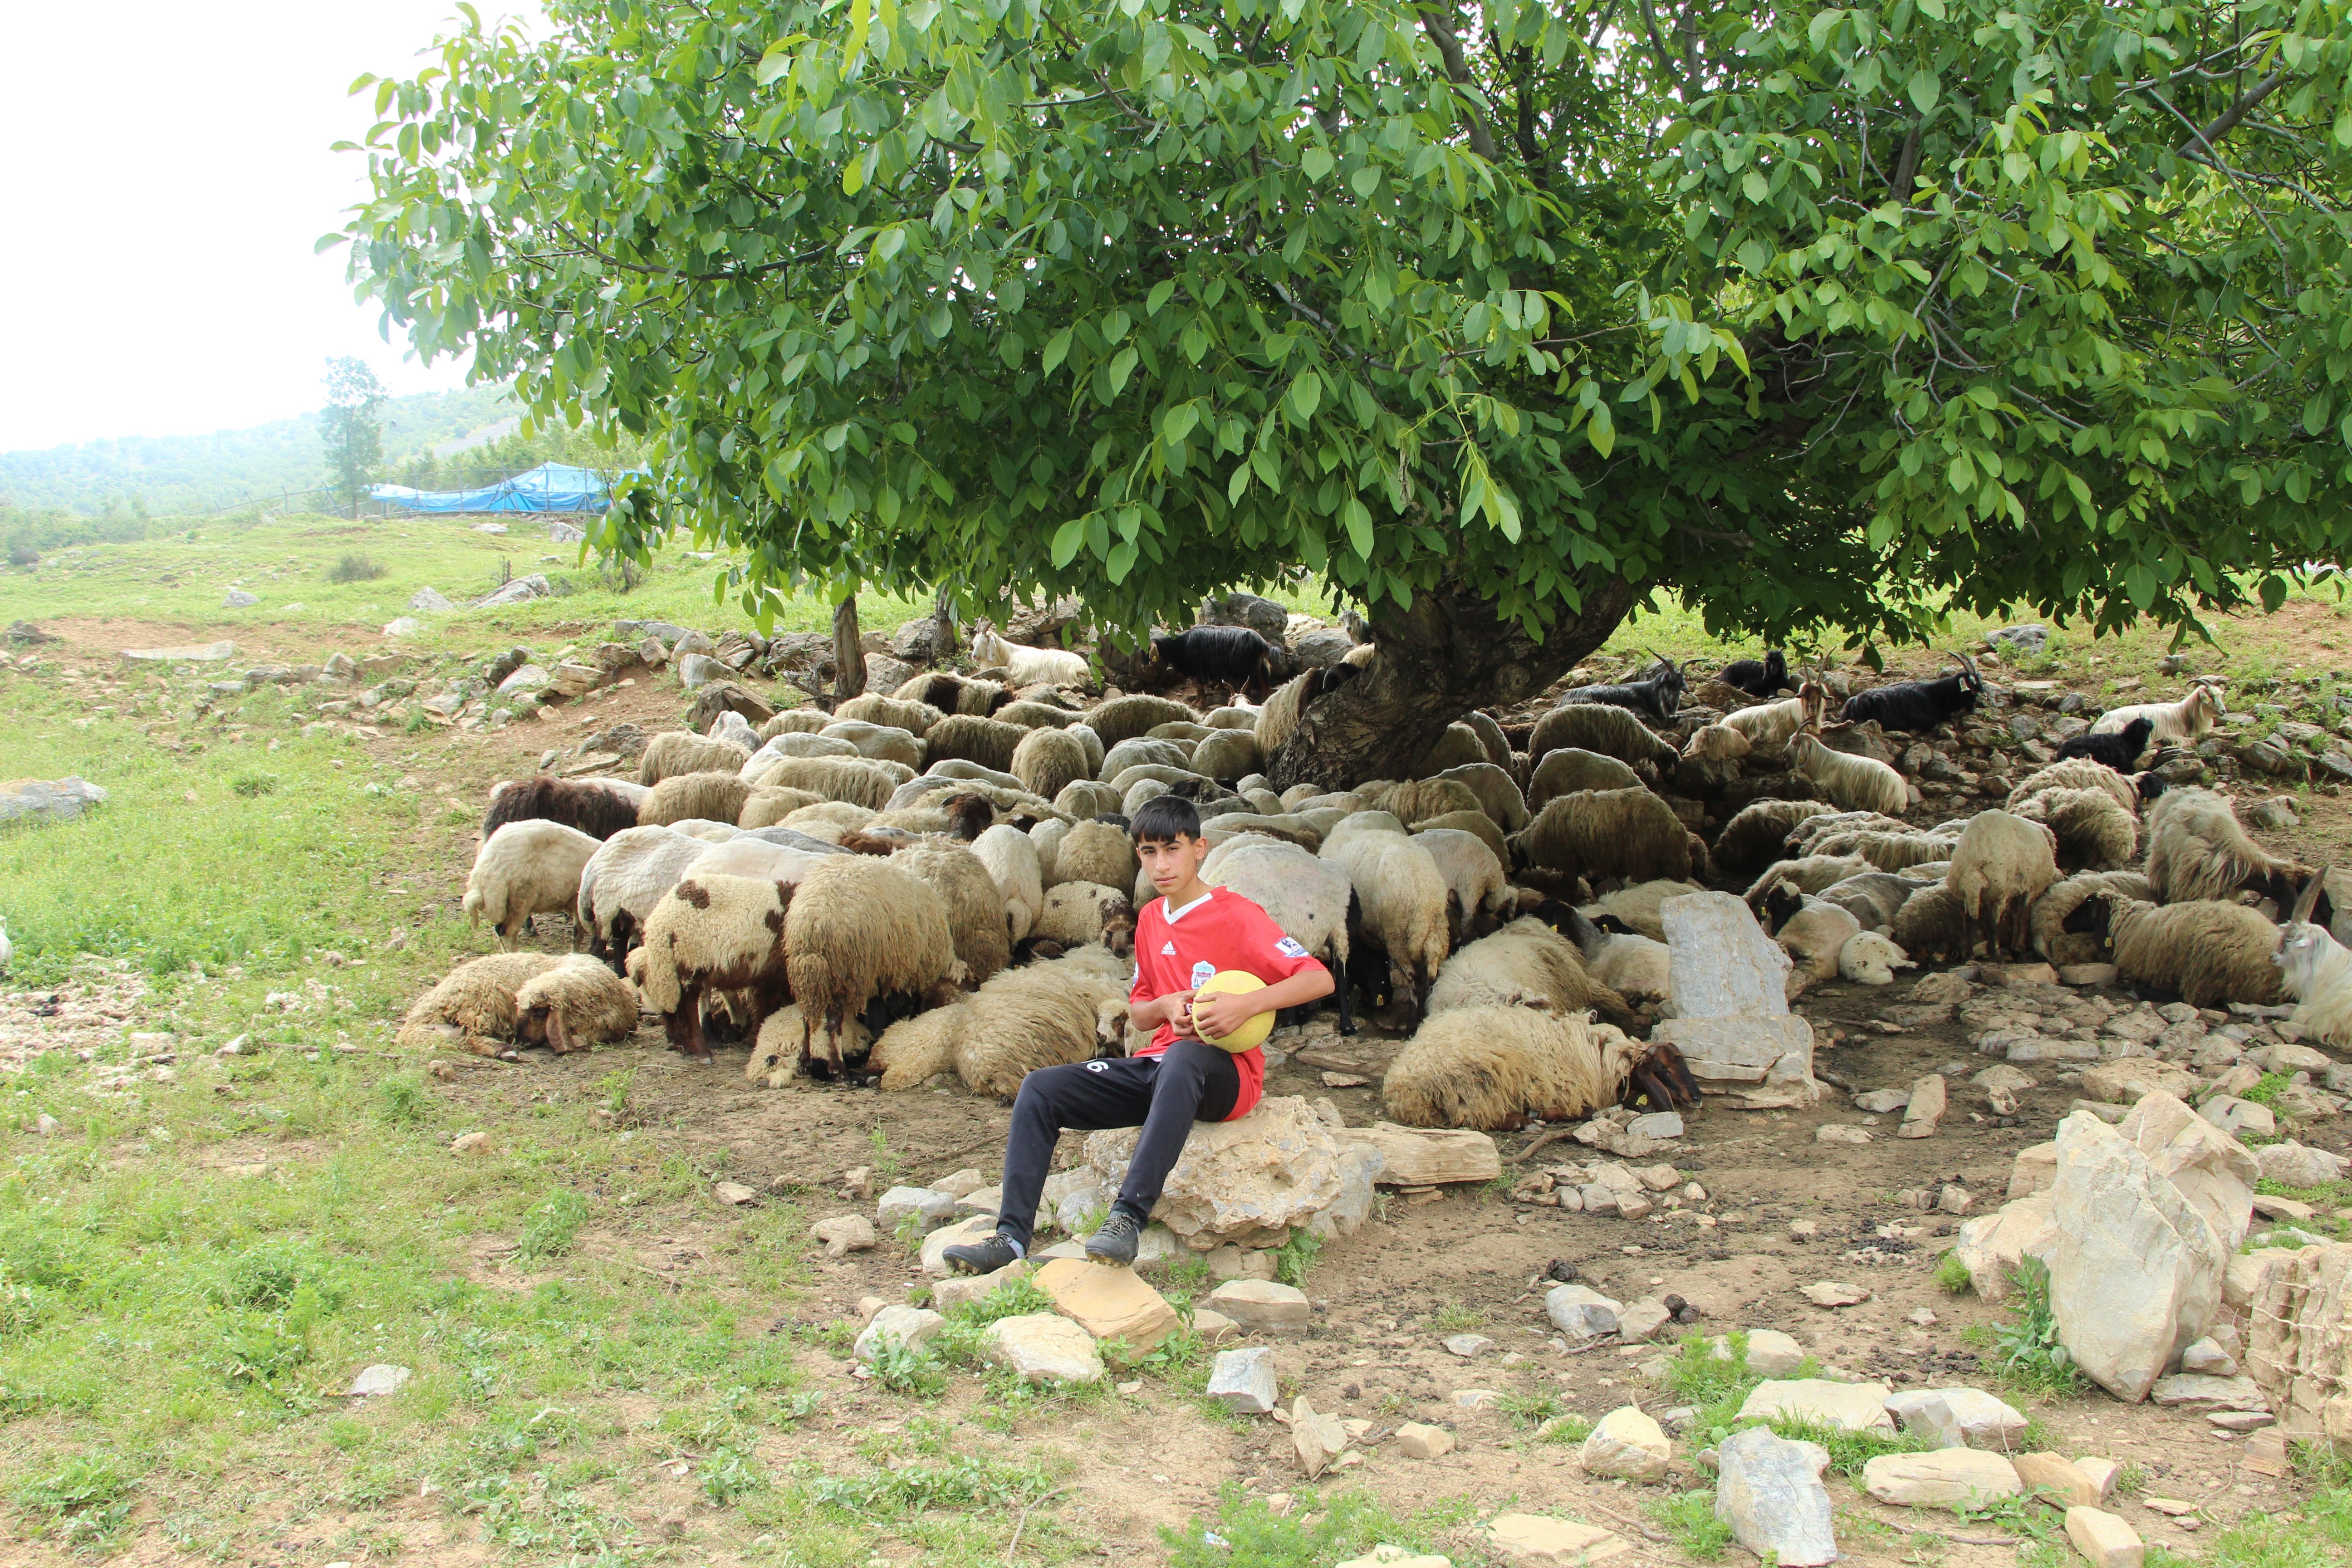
(2308, 900)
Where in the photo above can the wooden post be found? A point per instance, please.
(848, 656)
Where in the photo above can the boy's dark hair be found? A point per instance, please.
(1163, 819)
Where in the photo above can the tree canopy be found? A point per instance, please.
(1816, 314)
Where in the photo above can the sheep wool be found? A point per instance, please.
(2094, 833)
(1126, 717)
(1036, 715)
(2076, 773)
(915, 718)
(2067, 928)
(1597, 834)
(623, 881)
(1475, 888)
(2003, 864)
(1077, 914)
(1094, 852)
(795, 721)
(1635, 967)
(1871, 898)
(2187, 719)
(1597, 727)
(768, 804)
(525, 868)
(776, 1050)
(675, 752)
(1490, 736)
(977, 739)
(2317, 970)
(1226, 755)
(1087, 798)
(1638, 907)
(708, 934)
(1894, 851)
(1869, 959)
(1309, 898)
(713, 796)
(954, 693)
(2212, 952)
(577, 1005)
(858, 782)
(1423, 798)
(1854, 783)
(1497, 1068)
(1478, 824)
(1758, 832)
(1012, 860)
(971, 904)
(1525, 965)
(1565, 770)
(585, 805)
(861, 928)
(1401, 897)
(2197, 849)
(1718, 743)
(1816, 935)
(1458, 745)
(1048, 762)
(795, 745)
(473, 1007)
(880, 743)
(1498, 793)
(1061, 1010)
(1931, 923)
(1025, 665)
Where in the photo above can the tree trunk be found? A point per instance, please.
(1447, 655)
(848, 653)
(943, 628)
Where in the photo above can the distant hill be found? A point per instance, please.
(174, 474)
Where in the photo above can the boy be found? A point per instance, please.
(1182, 938)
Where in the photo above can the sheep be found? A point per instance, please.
(1596, 727)
(1277, 720)
(1636, 967)
(1356, 823)
(525, 868)
(880, 743)
(889, 713)
(1808, 874)
(1490, 736)
(1227, 755)
(1025, 665)
(1655, 696)
(2077, 773)
(1919, 705)
(675, 752)
(1525, 965)
(1932, 924)
(1477, 823)
(972, 906)
(1498, 794)
(1066, 1009)
(587, 806)
(1597, 834)
(1229, 655)
(1420, 798)
(1287, 829)
(624, 879)
(1807, 835)
(1636, 908)
(960, 769)
(858, 782)
(1048, 761)
(1869, 959)
(1011, 860)
(2210, 953)
(828, 818)
(1475, 885)
(983, 741)
(759, 860)
(2001, 865)
(2094, 833)
(1717, 743)
(473, 1007)
(716, 796)
(719, 934)
(732, 728)
(1309, 898)
(955, 693)
(2317, 970)
(576, 1006)
(861, 928)
(1886, 851)
(793, 721)
(2197, 849)
(2187, 719)
(962, 815)
(768, 805)
(702, 827)
(1094, 852)
(2066, 928)
(1078, 913)
(2120, 751)
(1565, 770)
(1857, 783)
(776, 1050)
(796, 745)
(1125, 718)
(1873, 898)
(1401, 898)
(1497, 1068)
(1757, 678)
(1759, 831)
(1087, 798)
(1814, 936)
(1459, 744)
(1140, 752)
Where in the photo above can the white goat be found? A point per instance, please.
(2187, 719)
(1851, 782)
(2317, 970)
(1025, 665)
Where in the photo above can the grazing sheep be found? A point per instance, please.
(958, 768)
(1068, 1009)
(2067, 928)
(1525, 965)
(776, 1051)
(1933, 924)
(759, 860)
(1490, 736)
(836, 814)
(1476, 822)
(624, 879)
(2317, 970)
(675, 752)
(768, 805)
(525, 868)
(714, 797)
(2094, 833)
(1717, 743)
(794, 746)
(858, 782)
(1087, 798)
(2001, 865)
(1458, 745)
(1598, 834)
(1816, 935)
(972, 906)
(1278, 719)
(1420, 798)
(955, 693)
(2076, 773)
(880, 743)
(2197, 849)
(1094, 852)
(1026, 666)
(1853, 783)
(1760, 831)
(1227, 755)
(915, 718)
(702, 827)
(1636, 908)
(1870, 959)
(1046, 761)
(1401, 898)
(473, 1008)
(1499, 795)
(2120, 751)
(1497, 1068)
(1036, 715)
(1075, 914)
(2211, 953)
(1873, 898)
(2187, 719)
(1894, 851)
(1356, 822)
(1480, 897)
(1309, 898)
(576, 1006)
(587, 806)
(1597, 727)
(1565, 770)
(861, 928)
(720, 933)
(962, 816)
(795, 721)
(1011, 860)
(983, 741)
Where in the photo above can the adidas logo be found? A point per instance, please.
(1168, 950)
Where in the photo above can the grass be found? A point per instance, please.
(1454, 1318)
(1314, 1532)
(2028, 1353)
(356, 569)
(1689, 1518)
(1952, 1275)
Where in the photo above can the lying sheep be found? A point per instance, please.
(1078, 914)
(1758, 832)
(1598, 834)
(1497, 1068)
(1869, 959)
(1717, 743)
(2093, 833)
(1894, 851)
(525, 868)
(2075, 773)
(1026, 666)
(675, 752)
(2187, 719)
(2211, 953)
(473, 1008)
(2003, 864)
(1565, 770)
(624, 879)
(1094, 852)
(890, 712)
(983, 741)
(2197, 849)
(1853, 783)
(768, 805)
(955, 693)
(1309, 898)
(718, 796)
(1873, 898)
(1036, 715)
(973, 906)
(1400, 900)
(1807, 874)
(1125, 718)
(1636, 908)
(1597, 727)
(1816, 935)
(576, 1006)
(1046, 761)
(1012, 860)
(796, 745)
(775, 1057)
(2066, 928)
(971, 773)
(1475, 889)
(1068, 1009)
(1526, 964)
(587, 804)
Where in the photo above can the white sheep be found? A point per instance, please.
(2187, 719)
(1637, 906)
(796, 745)
(1816, 935)
(878, 742)
(1635, 967)
(1026, 666)
(1481, 896)
(1309, 898)
(2003, 864)
(2317, 970)
(526, 868)
(1525, 965)
(1869, 958)
(1768, 724)
(1012, 859)
(732, 728)
(624, 879)
(1060, 1010)
(1853, 783)
(1401, 896)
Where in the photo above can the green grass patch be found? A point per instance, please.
(1689, 1518)
(1314, 1532)
(2027, 1352)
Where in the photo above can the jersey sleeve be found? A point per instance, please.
(1267, 951)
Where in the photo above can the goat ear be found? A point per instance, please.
(2308, 900)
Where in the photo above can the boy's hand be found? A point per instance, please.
(1219, 1013)
(1180, 1012)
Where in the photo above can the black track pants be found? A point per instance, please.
(1164, 1095)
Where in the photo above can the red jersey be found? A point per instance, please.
(1221, 931)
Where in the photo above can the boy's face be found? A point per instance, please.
(1172, 863)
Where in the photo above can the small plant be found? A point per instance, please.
(730, 1474)
(904, 1369)
(550, 1228)
(1952, 1275)
(86, 1500)
(614, 1087)
(250, 785)
(1296, 1256)
(403, 1097)
(886, 1163)
(2267, 1090)
(1454, 1318)
(1690, 1519)
(356, 568)
(2026, 1347)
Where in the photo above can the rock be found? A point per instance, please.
(1990, 1247)
(735, 1195)
(904, 1327)
(1359, 1167)
(2129, 1079)
(1881, 1101)
(1959, 1418)
(402, 626)
(857, 1183)
(1263, 617)
(238, 599)
(1213, 1326)
(470, 1143)
(529, 678)
(1247, 1181)
(426, 602)
(1422, 1441)
(1833, 1133)
(1660, 1124)
(2058, 1478)
(1768, 1491)
(962, 1289)
(1465, 1345)
(1317, 1439)
(844, 1233)
(1726, 1002)
(1475, 1398)
(2103, 1539)
(1079, 1208)
(378, 1380)
(520, 591)
(2290, 1164)
(2289, 1059)
(1953, 1198)
(960, 1184)
(1647, 1319)
(934, 1255)
(1230, 1262)
(1420, 1157)
(1319, 646)
(1835, 1293)
(489, 528)
(2101, 1473)
(2195, 1391)
(2034, 1170)
(1627, 1444)
(900, 1204)
(59, 800)
(2134, 1270)
(2213, 1170)
(1770, 1353)
(1262, 1304)
(565, 533)
(1242, 1380)
(1537, 1541)
(2241, 1420)
(2086, 974)
(1959, 1478)
(697, 670)
(1843, 1406)
(1925, 1108)
(2207, 1359)
(1108, 1303)
(2030, 637)
(1580, 1312)
(1042, 1347)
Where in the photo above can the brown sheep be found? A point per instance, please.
(1048, 761)
(853, 780)
(575, 1006)
(768, 804)
(955, 693)
(1596, 727)
(861, 928)
(972, 903)
(915, 718)
(1129, 718)
(683, 797)
(582, 803)
(973, 739)
(1422, 798)
(1759, 834)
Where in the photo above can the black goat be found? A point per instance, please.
(944, 692)
(1758, 677)
(2120, 752)
(1228, 656)
(593, 809)
(1919, 706)
(1655, 696)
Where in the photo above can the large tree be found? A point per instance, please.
(1499, 317)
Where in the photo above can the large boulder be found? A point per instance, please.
(1247, 1182)
(1768, 1491)
(2213, 1170)
(59, 800)
(520, 590)
(1727, 1004)
(2134, 1269)
(2299, 1340)
(1263, 617)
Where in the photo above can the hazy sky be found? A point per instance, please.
(164, 187)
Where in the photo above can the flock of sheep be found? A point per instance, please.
(940, 881)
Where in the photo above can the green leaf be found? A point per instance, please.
(861, 17)
(1306, 394)
(1058, 349)
(1365, 180)
(1358, 519)
(1123, 365)
(1756, 188)
(777, 59)
(1925, 89)
(853, 176)
(1601, 430)
(1067, 540)
(1315, 162)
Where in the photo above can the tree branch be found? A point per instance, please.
(2228, 119)
(1458, 68)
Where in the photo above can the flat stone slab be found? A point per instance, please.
(374, 1381)
(1537, 1541)
(1770, 1491)
(2196, 1391)
(1262, 1304)
(1948, 1478)
(1043, 1347)
(1843, 1406)
(195, 653)
(1108, 1303)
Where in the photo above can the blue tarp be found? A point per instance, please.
(551, 486)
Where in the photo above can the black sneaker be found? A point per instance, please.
(981, 1257)
(1115, 1243)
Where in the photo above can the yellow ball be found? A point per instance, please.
(1250, 1035)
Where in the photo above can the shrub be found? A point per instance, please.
(548, 1230)
(356, 568)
